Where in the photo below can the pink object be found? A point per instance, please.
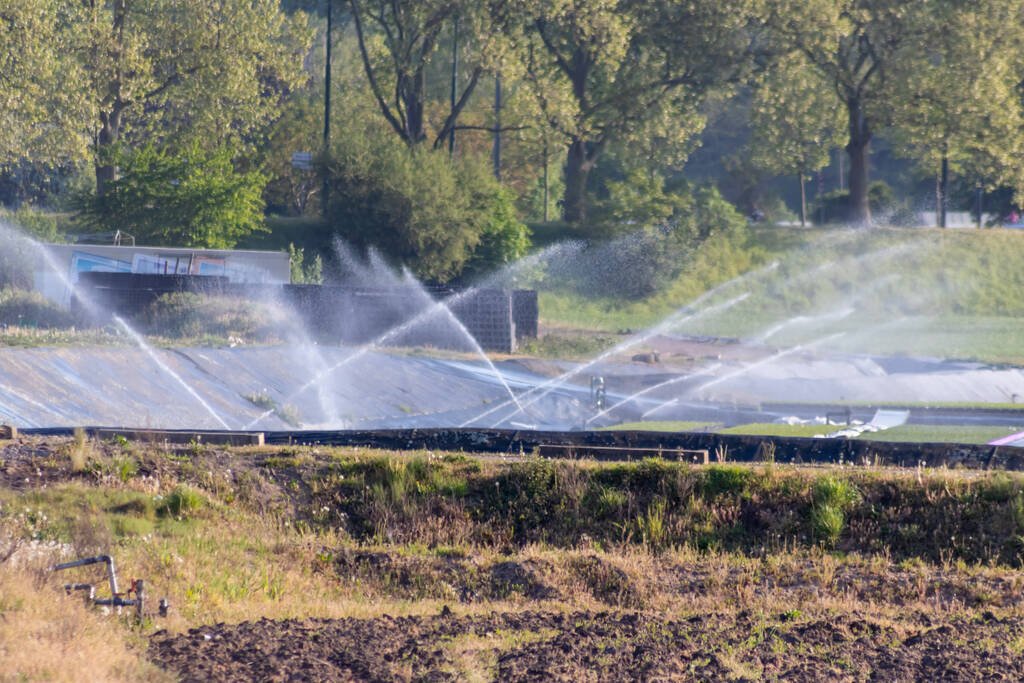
(1009, 440)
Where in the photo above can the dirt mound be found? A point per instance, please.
(519, 577)
(606, 582)
(593, 645)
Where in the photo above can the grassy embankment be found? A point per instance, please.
(232, 535)
(924, 292)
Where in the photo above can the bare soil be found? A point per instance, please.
(606, 646)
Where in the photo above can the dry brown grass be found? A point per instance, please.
(243, 553)
(45, 635)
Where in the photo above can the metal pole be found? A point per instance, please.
(327, 105)
(455, 74)
(546, 182)
(496, 155)
(139, 593)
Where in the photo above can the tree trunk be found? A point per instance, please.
(414, 99)
(981, 207)
(110, 132)
(325, 197)
(803, 202)
(577, 167)
(110, 121)
(944, 192)
(859, 149)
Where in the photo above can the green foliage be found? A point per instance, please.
(796, 121)
(421, 209)
(189, 315)
(721, 480)
(17, 255)
(183, 501)
(836, 204)
(32, 309)
(639, 199)
(187, 198)
(836, 492)
(827, 523)
(305, 271)
(832, 497)
(651, 526)
(32, 222)
(651, 256)
(40, 83)
(503, 238)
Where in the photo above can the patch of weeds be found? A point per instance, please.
(80, 451)
(651, 526)
(181, 502)
(606, 582)
(841, 493)
(123, 525)
(724, 479)
(610, 502)
(286, 413)
(827, 523)
(832, 498)
(281, 462)
(126, 468)
(1000, 487)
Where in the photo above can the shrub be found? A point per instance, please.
(191, 197)
(422, 209)
(189, 315)
(32, 309)
(651, 255)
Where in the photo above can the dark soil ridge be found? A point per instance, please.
(607, 646)
(474, 580)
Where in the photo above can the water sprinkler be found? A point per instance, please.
(598, 393)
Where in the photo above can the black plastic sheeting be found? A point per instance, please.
(734, 448)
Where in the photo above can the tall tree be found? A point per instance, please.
(858, 45)
(185, 69)
(796, 120)
(606, 71)
(961, 111)
(38, 96)
(398, 39)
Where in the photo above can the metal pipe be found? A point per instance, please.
(106, 559)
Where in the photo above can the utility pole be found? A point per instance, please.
(546, 185)
(327, 107)
(455, 74)
(496, 155)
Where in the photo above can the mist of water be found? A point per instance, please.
(97, 313)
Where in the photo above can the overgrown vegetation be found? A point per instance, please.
(240, 534)
(189, 316)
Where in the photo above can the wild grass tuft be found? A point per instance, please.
(182, 502)
(80, 451)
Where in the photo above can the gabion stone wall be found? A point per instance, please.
(498, 319)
